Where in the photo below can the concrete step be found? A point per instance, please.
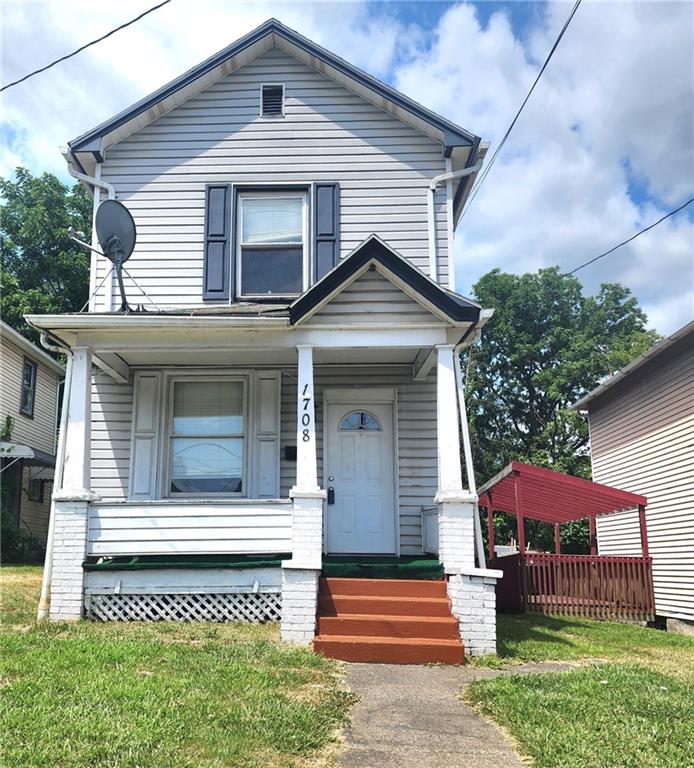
(337, 605)
(383, 587)
(388, 650)
(423, 627)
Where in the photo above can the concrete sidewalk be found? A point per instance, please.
(411, 716)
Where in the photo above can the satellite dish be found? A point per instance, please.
(116, 232)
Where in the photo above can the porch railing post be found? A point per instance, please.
(300, 574)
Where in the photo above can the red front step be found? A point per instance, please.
(389, 650)
(355, 625)
(383, 587)
(393, 621)
(332, 605)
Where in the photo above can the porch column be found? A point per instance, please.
(300, 574)
(71, 497)
(593, 535)
(470, 589)
(557, 539)
(644, 531)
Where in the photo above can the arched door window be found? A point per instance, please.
(360, 421)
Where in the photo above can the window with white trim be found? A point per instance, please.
(207, 437)
(272, 238)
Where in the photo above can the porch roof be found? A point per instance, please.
(552, 497)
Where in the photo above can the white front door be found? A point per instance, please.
(359, 468)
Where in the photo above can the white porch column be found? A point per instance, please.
(71, 499)
(300, 574)
(456, 506)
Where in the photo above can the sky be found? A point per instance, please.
(604, 147)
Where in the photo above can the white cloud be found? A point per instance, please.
(614, 107)
(603, 148)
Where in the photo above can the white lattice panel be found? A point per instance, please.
(248, 607)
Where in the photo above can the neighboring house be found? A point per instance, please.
(29, 387)
(642, 440)
(293, 395)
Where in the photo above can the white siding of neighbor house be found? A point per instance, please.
(371, 298)
(642, 438)
(416, 433)
(328, 134)
(39, 431)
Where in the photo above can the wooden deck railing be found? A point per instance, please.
(602, 587)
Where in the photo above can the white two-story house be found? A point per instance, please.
(287, 405)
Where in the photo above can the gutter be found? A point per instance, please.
(70, 160)
(431, 223)
(45, 599)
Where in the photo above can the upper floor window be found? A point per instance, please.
(272, 253)
(26, 406)
(272, 100)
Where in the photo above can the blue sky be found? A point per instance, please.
(603, 148)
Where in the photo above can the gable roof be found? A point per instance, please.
(677, 338)
(268, 35)
(457, 309)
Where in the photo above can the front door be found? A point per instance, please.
(359, 468)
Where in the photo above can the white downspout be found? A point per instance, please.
(45, 599)
(465, 428)
(431, 219)
(110, 189)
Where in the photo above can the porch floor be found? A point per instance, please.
(382, 567)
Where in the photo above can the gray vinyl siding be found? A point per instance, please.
(328, 134)
(112, 406)
(372, 299)
(642, 439)
(416, 428)
(39, 431)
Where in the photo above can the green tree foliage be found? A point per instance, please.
(545, 347)
(42, 269)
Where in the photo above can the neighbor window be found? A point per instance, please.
(28, 388)
(271, 245)
(207, 438)
(35, 492)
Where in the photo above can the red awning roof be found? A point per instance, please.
(552, 496)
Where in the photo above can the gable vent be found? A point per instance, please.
(272, 100)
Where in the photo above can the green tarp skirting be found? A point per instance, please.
(343, 566)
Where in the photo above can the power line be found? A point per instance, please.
(633, 237)
(93, 42)
(486, 171)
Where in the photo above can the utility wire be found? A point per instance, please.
(633, 237)
(87, 45)
(486, 171)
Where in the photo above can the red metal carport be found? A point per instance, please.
(587, 585)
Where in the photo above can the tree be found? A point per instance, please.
(545, 346)
(42, 269)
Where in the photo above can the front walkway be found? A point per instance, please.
(412, 716)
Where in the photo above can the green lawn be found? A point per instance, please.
(159, 695)
(629, 701)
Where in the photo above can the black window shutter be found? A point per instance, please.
(217, 264)
(326, 246)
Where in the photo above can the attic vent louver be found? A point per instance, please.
(272, 100)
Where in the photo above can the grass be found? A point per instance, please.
(159, 695)
(629, 701)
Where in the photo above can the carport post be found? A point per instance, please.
(644, 531)
(490, 524)
(593, 536)
(557, 539)
(518, 491)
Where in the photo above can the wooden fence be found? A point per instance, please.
(603, 587)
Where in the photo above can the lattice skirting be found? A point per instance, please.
(249, 607)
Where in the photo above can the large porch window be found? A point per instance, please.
(207, 438)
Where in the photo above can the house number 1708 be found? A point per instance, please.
(306, 416)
